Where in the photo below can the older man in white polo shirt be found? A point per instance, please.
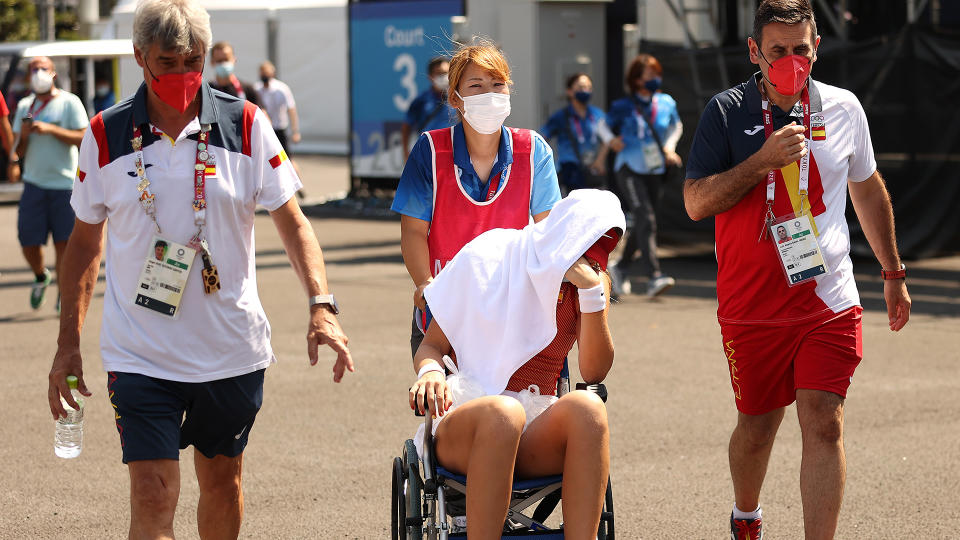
(185, 339)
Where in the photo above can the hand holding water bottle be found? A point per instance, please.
(66, 362)
(68, 438)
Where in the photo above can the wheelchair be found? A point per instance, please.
(429, 502)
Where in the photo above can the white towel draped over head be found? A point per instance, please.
(496, 301)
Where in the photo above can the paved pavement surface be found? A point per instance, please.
(319, 456)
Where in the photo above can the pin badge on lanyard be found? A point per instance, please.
(803, 163)
(147, 200)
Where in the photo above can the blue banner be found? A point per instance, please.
(391, 43)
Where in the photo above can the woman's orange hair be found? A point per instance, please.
(637, 66)
(485, 55)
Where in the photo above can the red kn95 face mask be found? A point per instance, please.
(788, 75)
(176, 89)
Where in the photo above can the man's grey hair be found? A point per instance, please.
(181, 25)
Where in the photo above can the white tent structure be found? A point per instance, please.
(309, 38)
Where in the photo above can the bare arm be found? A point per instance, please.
(66, 136)
(537, 218)
(294, 124)
(416, 255)
(871, 201)
(307, 261)
(712, 195)
(432, 387)
(78, 277)
(594, 342)
(6, 134)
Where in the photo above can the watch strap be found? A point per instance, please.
(326, 299)
(894, 274)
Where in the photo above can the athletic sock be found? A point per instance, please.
(740, 514)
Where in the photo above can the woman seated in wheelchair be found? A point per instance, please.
(509, 308)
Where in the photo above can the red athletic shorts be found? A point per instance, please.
(769, 363)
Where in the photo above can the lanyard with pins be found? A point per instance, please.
(148, 200)
(803, 163)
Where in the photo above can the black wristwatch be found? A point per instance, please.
(328, 300)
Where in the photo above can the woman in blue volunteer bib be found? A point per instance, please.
(477, 175)
(649, 129)
(581, 134)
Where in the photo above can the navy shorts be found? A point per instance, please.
(156, 418)
(44, 212)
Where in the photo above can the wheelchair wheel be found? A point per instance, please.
(398, 506)
(606, 516)
(414, 492)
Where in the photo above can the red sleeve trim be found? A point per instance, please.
(249, 112)
(100, 134)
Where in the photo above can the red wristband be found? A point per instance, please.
(895, 274)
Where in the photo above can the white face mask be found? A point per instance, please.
(41, 81)
(486, 112)
(441, 82)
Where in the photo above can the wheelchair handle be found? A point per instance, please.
(599, 389)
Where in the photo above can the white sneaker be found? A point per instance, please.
(660, 285)
(621, 283)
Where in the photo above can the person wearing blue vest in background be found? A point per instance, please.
(430, 110)
(643, 155)
(477, 175)
(581, 135)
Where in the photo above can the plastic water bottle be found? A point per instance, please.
(68, 440)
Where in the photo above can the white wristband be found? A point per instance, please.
(593, 299)
(431, 366)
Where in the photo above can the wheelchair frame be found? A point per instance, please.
(422, 491)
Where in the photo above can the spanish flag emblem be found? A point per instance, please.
(210, 170)
(276, 160)
(818, 130)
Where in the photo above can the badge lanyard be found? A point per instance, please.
(804, 162)
(577, 127)
(147, 199)
(652, 119)
(43, 104)
(237, 87)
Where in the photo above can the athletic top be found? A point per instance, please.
(217, 335)
(590, 131)
(49, 162)
(751, 286)
(544, 369)
(430, 111)
(624, 120)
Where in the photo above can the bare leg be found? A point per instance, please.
(480, 438)
(61, 248)
(220, 510)
(823, 466)
(750, 446)
(34, 257)
(571, 437)
(154, 490)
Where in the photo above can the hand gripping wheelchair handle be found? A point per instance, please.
(599, 389)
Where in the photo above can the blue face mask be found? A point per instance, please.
(653, 84)
(582, 97)
(223, 69)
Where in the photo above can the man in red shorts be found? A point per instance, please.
(779, 153)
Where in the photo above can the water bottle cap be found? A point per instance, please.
(72, 381)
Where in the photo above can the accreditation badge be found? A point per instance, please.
(164, 276)
(652, 156)
(798, 249)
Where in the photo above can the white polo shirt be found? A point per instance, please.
(277, 99)
(216, 336)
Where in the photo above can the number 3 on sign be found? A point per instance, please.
(406, 64)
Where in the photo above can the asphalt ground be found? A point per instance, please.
(319, 457)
